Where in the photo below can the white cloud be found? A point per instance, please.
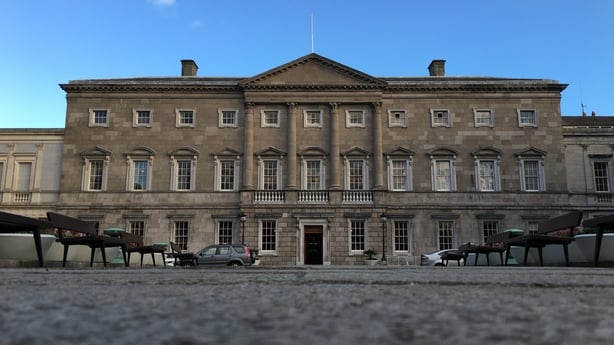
(164, 2)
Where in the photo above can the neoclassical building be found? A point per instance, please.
(313, 162)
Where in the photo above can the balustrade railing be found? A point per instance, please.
(269, 196)
(357, 197)
(23, 197)
(313, 197)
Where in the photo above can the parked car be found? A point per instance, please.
(169, 258)
(434, 258)
(226, 254)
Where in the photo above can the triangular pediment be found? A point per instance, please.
(97, 151)
(400, 151)
(313, 70)
(271, 151)
(227, 152)
(531, 151)
(356, 151)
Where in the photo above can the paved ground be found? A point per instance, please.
(324, 305)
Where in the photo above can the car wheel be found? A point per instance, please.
(234, 264)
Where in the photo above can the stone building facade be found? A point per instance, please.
(313, 162)
(30, 161)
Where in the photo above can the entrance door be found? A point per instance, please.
(314, 245)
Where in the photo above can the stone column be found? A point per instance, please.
(378, 153)
(291, 137)
(248, 147)
(335, 170)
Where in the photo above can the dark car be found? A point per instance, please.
(226, 254)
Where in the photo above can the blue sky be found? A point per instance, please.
(47, 42)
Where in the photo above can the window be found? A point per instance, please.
(270, 118)
(226, 170)
(137, 227)
(354, 118)
(313, 174)
(399, 177)
(99, 118)
(401, 237)
(445, 234)
(24, 176)
(531, 170)
(601, 171)
(224, 232)
(397, 118)
(483, 118)
(268, 236)
(440, 118)
(182, 232)
(141, 118)
(487, 175)
(358, 236)
(96, 174)
(270, 174)
(184, 118)
(527, 118)
(140, 175)
(532, 176)
(313, 118)
(356, 172)
(443, 175)
(489, 227)
(532, 227)
(184, 175)
(228, 117)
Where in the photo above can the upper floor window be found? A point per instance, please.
(99, 117)
(141, 118)
(487, 175)
(440, 118)
(183, 169)
(355, 118)
(483, 117)
(95, 174)
(226, 170)
(184, 118)
(397, 118)
(531, 175)
(270, 174)
(443, 171)
(399, 171)
(356, 173)
(313, 172)
(601, 172)
(24, 176)
(270, 118)
(312, 118)
(140, 175)
(139, 169)
(527, 118)
(531, 165)
(227, 117)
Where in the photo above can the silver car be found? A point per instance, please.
(434, 258)
(226, 255)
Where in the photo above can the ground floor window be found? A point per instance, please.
(224, 232)
(401, 236)
(137, 227)
(445, 234)
(489, 227)
(357, 236)
(268, 236)
(182, 230)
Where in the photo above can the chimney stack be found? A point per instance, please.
(188, 68)
(437, 68)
